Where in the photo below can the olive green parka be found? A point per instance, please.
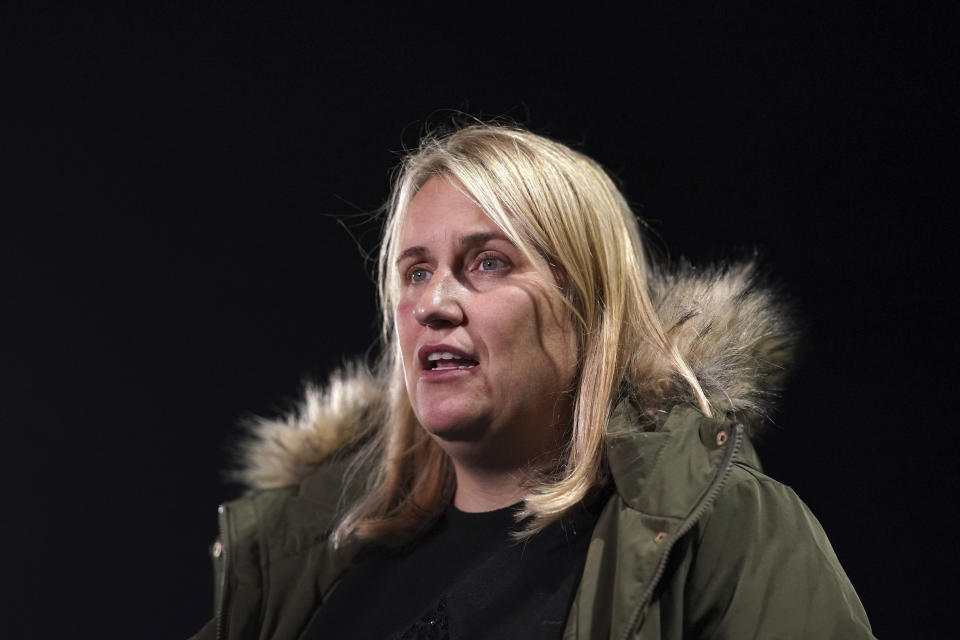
(695, 541)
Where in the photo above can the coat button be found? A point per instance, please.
(722, 438)
(217, 550)
(660, 537)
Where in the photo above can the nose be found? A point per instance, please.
(440, 300)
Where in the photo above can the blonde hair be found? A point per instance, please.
(556, 203)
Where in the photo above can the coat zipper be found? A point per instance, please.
(223, 524)
(715, 485)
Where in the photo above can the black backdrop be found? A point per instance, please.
(184, 206)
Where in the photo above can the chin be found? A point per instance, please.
(453, 427)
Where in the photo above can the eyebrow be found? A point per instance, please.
(466, 242)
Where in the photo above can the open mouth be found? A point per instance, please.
(445, 357)
(441, 360)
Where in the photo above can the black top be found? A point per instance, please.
(466, 578)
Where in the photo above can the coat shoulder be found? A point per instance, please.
(288, 517)
(764, 567)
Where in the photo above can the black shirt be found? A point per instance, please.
(465, 579)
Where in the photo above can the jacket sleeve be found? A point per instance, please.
(765, 569)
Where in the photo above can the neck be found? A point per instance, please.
(479, 490)
(500, 471)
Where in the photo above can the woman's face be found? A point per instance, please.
(489, 355)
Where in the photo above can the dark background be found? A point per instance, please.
(186, 194)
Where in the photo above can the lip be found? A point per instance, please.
(427, 372)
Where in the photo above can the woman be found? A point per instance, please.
(556, 443)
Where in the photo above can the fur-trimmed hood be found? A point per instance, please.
(733, 333)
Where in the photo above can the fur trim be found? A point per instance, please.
(733, 334)
(732, 331)
(284, 451)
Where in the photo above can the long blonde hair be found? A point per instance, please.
(556, 203)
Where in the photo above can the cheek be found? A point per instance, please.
(521, 332)
(406, 326)
(564, 343)
(402, 315)
(545, 342)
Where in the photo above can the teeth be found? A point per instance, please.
(445, 360)
(441, 355)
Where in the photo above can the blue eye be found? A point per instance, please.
(492, 264)
(419, 275)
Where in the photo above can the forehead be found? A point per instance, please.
(440, 209)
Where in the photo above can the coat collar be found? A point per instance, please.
(666, 479)
(643, 463)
